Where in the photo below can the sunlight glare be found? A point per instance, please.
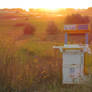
(46, 4)
(27, 9)
(56, 4)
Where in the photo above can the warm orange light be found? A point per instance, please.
(46, 9)
(47, 4)
(27, 9)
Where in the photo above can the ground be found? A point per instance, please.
(28, 62)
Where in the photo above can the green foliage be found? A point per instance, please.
(33, 66)
(77, 19)
(29, 29)
(52, 29)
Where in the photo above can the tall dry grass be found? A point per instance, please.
(23, 70)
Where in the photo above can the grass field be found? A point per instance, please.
(29, 63)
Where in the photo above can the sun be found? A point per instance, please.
(46, 9)
(49, 4)
(27, 9)
(55, 4)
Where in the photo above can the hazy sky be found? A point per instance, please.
(45, 4)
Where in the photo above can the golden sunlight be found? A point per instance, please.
(27, 9)
(47, 4)
(56, 4)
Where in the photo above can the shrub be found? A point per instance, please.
(77, 19)
(29, 29)
(52, 29)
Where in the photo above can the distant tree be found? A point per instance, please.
(52, 32)
(77, 19)
(29, 29)
(52, 29)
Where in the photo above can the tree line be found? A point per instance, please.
(52, 28)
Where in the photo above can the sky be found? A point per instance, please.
(50, 4)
